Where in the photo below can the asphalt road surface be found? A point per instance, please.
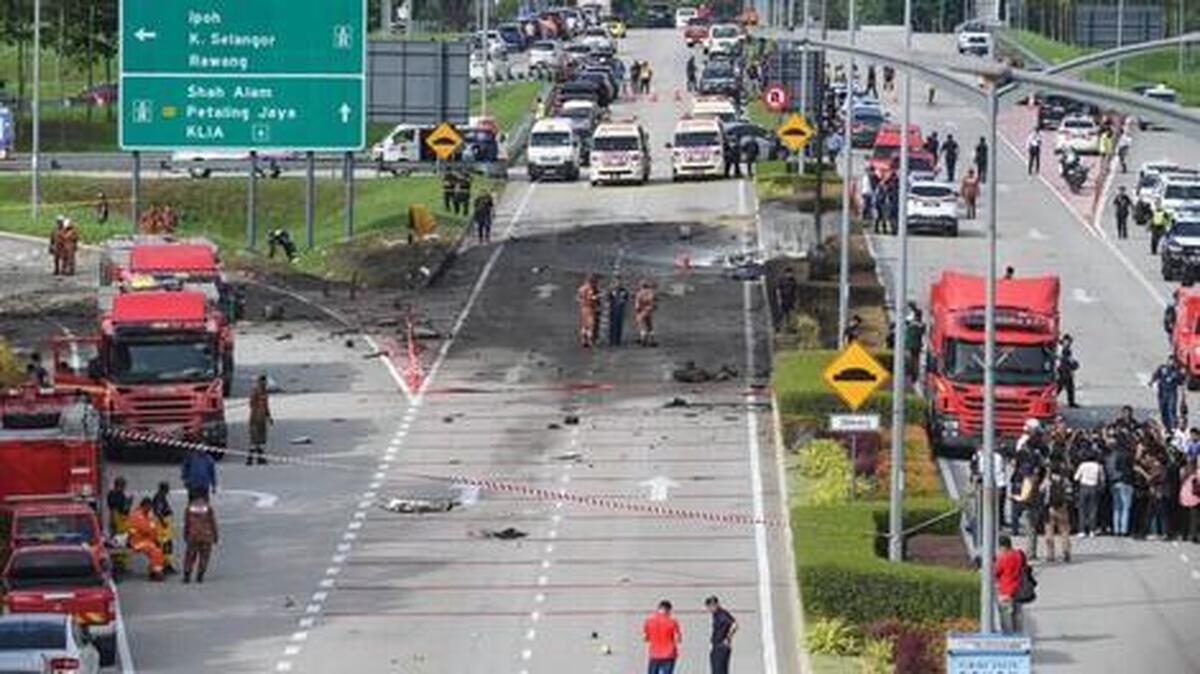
(1121, 605)
(313, 574)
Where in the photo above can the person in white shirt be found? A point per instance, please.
(1034, 145)
(1090, 477)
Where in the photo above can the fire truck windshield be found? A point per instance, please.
(1028, 365)
(148, 359)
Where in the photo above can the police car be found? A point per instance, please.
(1181, 248)
(698, 149)
(620, 154)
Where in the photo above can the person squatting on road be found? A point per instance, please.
(164, 517)
(200, 535)
(144, 536)
(724, 626)
(260, 418)
(662, 635)
(588, 299)
(644, 304)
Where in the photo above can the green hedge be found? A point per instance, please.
(841, 575)
(803, 392)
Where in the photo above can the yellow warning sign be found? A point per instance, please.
(444, 141)
(795, 132)
(855, 375)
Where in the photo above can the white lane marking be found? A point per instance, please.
(539, 598)
(319, 597)
(765, 607)
(291, 651)
(526, 654)
(262, 499)
(531, 634)
(391, 367)
(535, 616)
(476, 291)
(543, 581)
(312, 608)
(1195, 574)
(1037, 234)
(327, 583)
(1113, 163)
(283, 666)
(307, 623)
(1142, 378)
(1081, 295)
(1184, 558)
(549, 548)
(124, 653)
(300, 636)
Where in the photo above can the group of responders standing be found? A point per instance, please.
(663, 636)
(148, 529)
(589, 296)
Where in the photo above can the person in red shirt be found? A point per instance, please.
(662, 636)
(1007, 569)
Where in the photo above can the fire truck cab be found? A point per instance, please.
(155, 367)
(1027, 330)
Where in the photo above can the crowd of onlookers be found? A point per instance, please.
(1126, 478)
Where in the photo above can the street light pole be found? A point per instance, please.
(804, 83)
(900, 350)
(1120, 42)
(1179, 21)
(848, 177)
(988, 525)
(36, 109)
(487, 60)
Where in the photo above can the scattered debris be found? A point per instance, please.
(374, 354)
(425, 332)
(447, 420)
(676, 402)
(273, 386)
(569, 456)
(606, 650)
(349, 343)
(454, 462)
(284, 337)
(302, 440)
(506, 534)
(337, 420)
(553, 427)
(387, 322)
(419, 506)
(691, 374)
(571, 420)
(289, 602)
(273, 312)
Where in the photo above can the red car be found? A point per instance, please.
(66, 579)
(101, 94)
(887, 151)
(41, 522)
(696, 31)
(1185, 334)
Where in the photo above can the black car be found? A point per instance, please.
(1181, 249)
(582, 90)
(660, 15)
(1052, 108)
(769, 145)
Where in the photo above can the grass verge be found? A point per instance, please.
(1151, 68)
(802, 392)
(217, 211)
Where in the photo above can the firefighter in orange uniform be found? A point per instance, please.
(143, 537)
(56, 244)
(588, 297)
(68, 246)
(644, 303)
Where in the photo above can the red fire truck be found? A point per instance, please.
(150, 262)
(49, 445)
(155, 367)
(1027, 327)
(1185, 332)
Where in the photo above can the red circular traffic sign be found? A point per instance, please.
(776, 98)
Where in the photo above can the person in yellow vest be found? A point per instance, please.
(164, 516)
(1160, 222)
(119, 504)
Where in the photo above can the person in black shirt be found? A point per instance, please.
(1123, 205)
(723, 628)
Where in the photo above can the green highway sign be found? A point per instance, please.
(237, 75)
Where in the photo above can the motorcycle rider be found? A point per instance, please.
(1071, 169)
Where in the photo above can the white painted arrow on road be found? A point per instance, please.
(660, 487)
(142, 35)
(262, 499)
(345, 111)
(1080, 295)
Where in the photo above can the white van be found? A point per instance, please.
(405, 143)
(683, 15)
(698, 149)
(714, 107)
(620, 154)
(553, 150)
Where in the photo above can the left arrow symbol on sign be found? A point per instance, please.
(344, 111)
(142, 35)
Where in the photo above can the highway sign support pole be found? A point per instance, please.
(847, 178)
(135, 202)
(251, 203)
(988, 552)
(310, 198)
(348, 172)
(487, 60)
(900, 351)
(804, 83)
(35, 197)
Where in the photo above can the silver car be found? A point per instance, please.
(45, 642)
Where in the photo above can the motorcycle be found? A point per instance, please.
(1072, 171)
